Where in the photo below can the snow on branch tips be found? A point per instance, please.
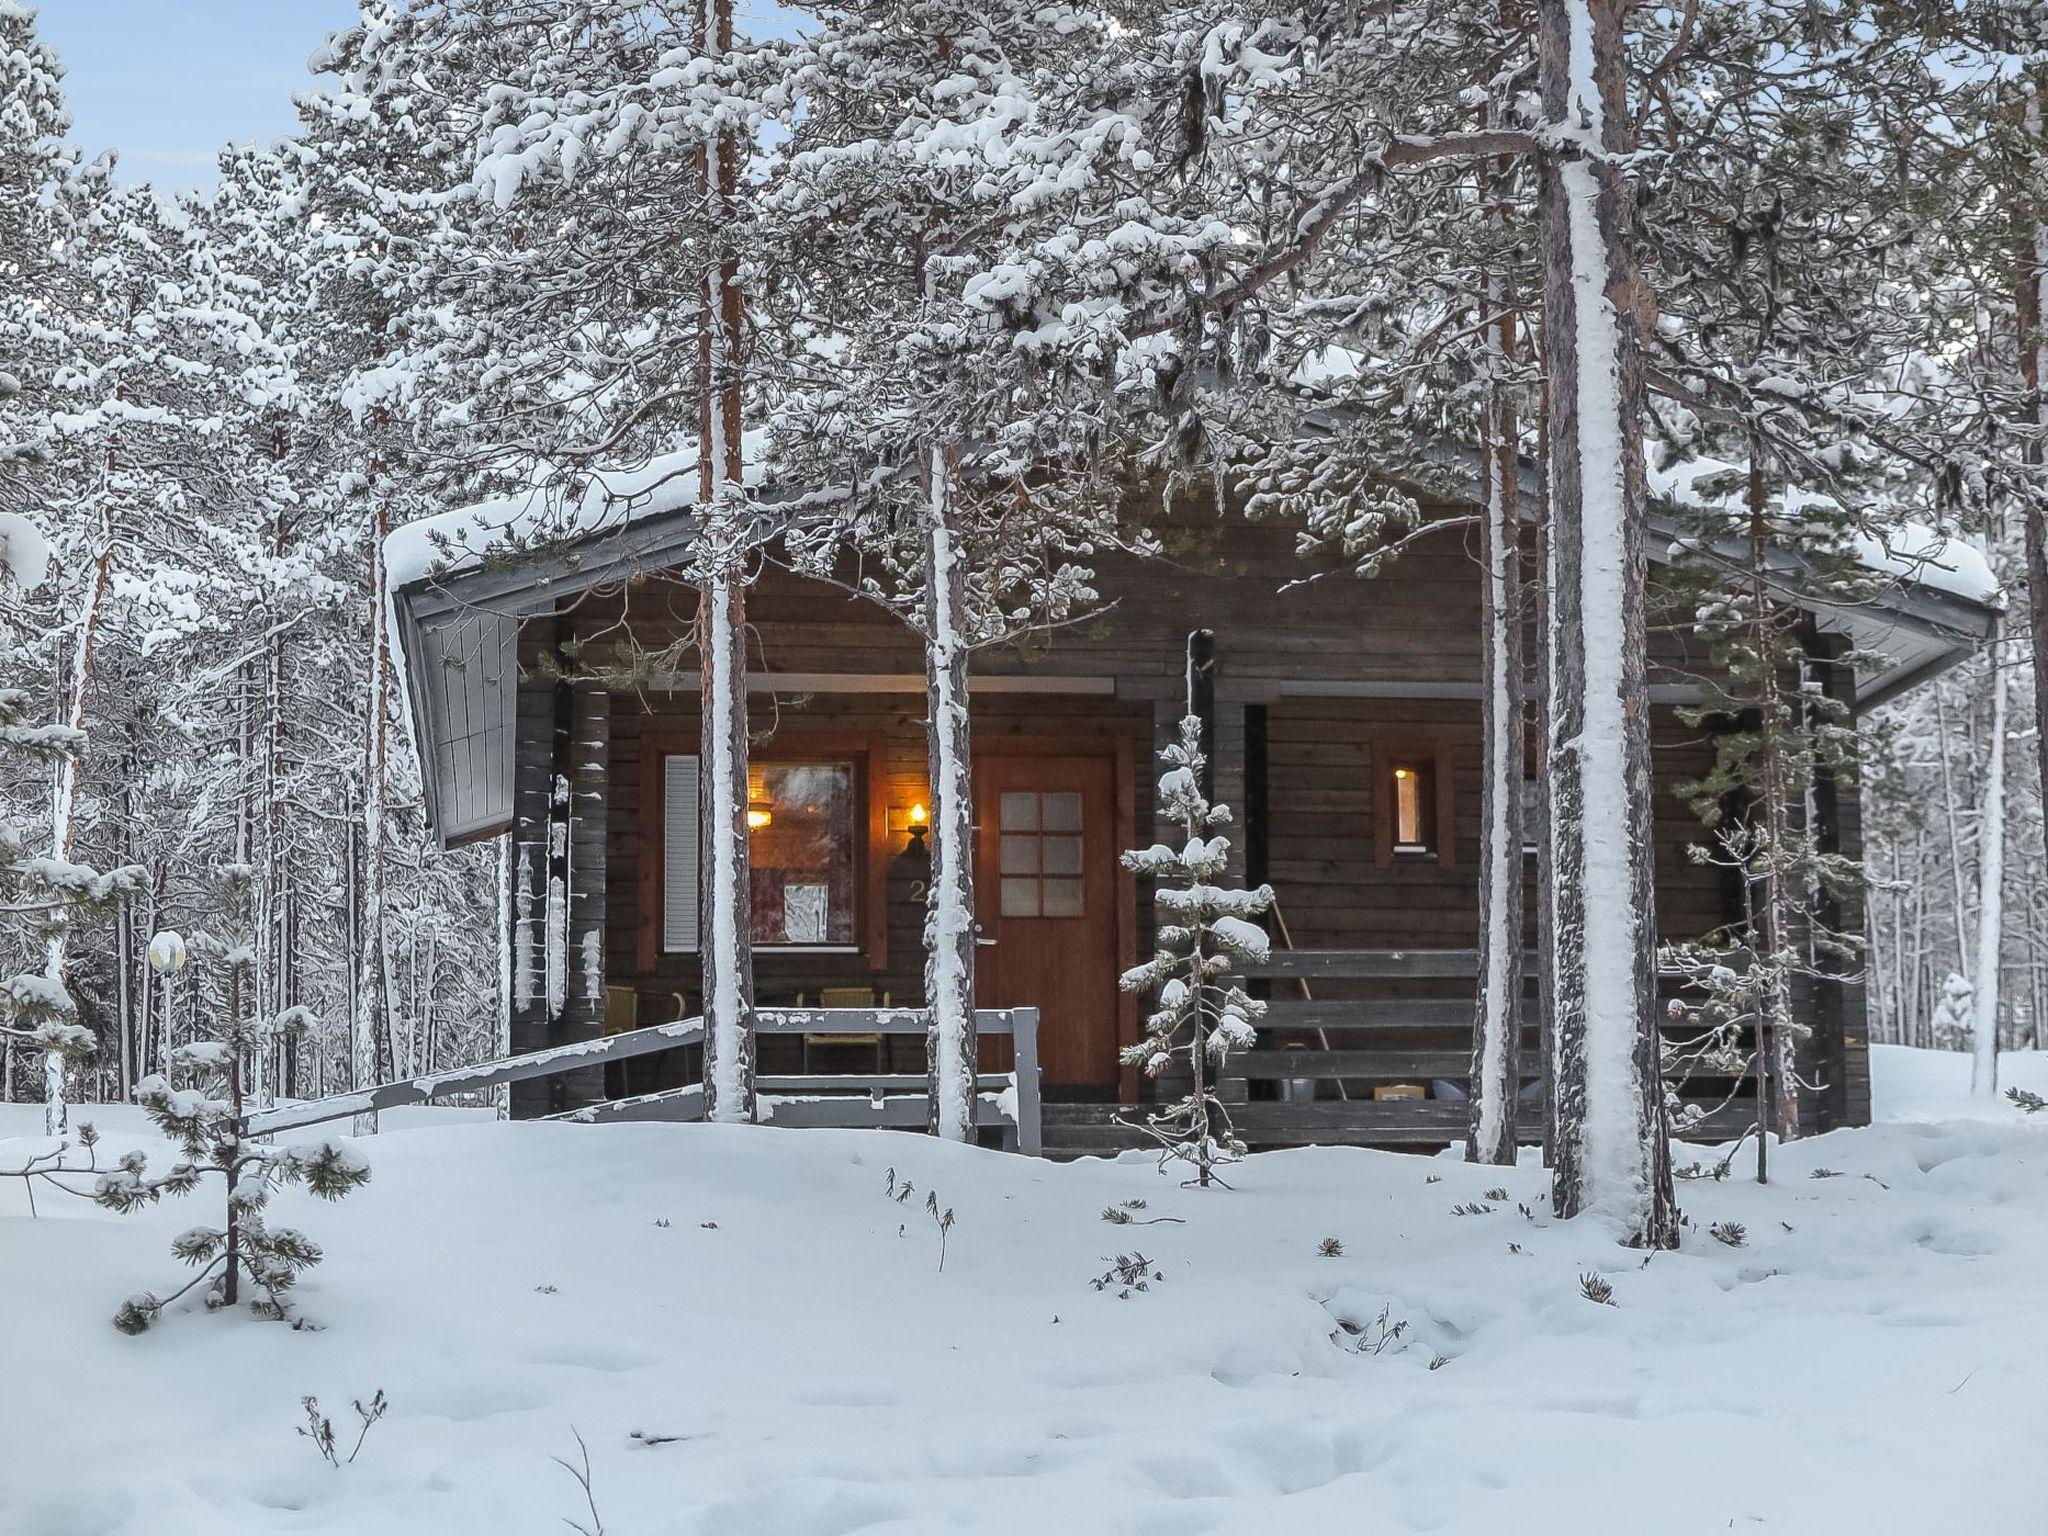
(206, 1120)
(1201, 1012)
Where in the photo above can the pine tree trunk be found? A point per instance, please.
(370, 1059)
(1990, 895)
(1611, 1134)
(2032, 314)
(1497, 1029)
(722, 619)
(124, 957)
(1546, 838)
(1776, 1058)
(952, 1049)
(64, 792)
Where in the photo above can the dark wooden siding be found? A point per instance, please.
(1329, 668)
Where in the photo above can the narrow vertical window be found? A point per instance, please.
(1413, 788)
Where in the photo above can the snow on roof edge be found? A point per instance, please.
(448, 543)
(461, 539)
(1912, 551)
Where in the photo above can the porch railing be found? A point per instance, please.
(1313, 1075)
(1005, 1099)
(1382, 1039)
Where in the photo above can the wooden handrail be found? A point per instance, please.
(1021, 1024)
(506, 1069)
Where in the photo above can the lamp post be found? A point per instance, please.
(167, 958)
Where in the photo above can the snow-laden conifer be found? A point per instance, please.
(201, 1108)
(1201, 1012)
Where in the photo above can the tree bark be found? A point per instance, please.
(722, 620)
(64, 793)
(1611, 1152)
(370, 1059)
(1497, 1029)
(1776, 1057)
(952, 1049)
(2032, 313)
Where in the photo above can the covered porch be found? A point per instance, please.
(1345, 737)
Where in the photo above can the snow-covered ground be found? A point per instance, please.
(753, 1339)
(1908, 1084)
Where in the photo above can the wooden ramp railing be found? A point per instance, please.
(1005, 1099)
(1411, 1025)
(854, 1099)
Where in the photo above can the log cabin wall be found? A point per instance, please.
(1311, 689)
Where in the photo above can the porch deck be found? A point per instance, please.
(1284, 1093)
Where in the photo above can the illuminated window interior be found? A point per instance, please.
(1414, 806)
(803, 845)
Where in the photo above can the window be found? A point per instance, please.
(1039, 853)
(1412, 787)
(1412, 814)
(803, 844)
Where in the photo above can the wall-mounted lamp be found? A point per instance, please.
(913, 821)
(759, 814)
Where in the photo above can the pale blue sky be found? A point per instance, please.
(167, 82)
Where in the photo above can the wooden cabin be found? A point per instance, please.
(1345, 723)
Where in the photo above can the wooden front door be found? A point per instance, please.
(1045, 892)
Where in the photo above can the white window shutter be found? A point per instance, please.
(679, 841)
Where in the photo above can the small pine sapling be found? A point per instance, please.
(1200, 1014)
(2030, 1103)
(206, 1120)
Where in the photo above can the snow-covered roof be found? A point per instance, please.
(461, 584)
(550, 514)
(1913, 551)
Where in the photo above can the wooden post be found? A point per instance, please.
(1840, 1059)
(581, 1016)
(533, 765)
(1201, 700)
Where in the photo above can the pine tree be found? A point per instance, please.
(1201, 1012)
(206, 1119)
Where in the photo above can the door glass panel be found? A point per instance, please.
(1020, 811)
(1062, 898)
(1063, 812)
(1060, 855)
(1020, 897)
(1020, 854)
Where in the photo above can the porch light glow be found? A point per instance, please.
(919, 816)
(759, 814)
